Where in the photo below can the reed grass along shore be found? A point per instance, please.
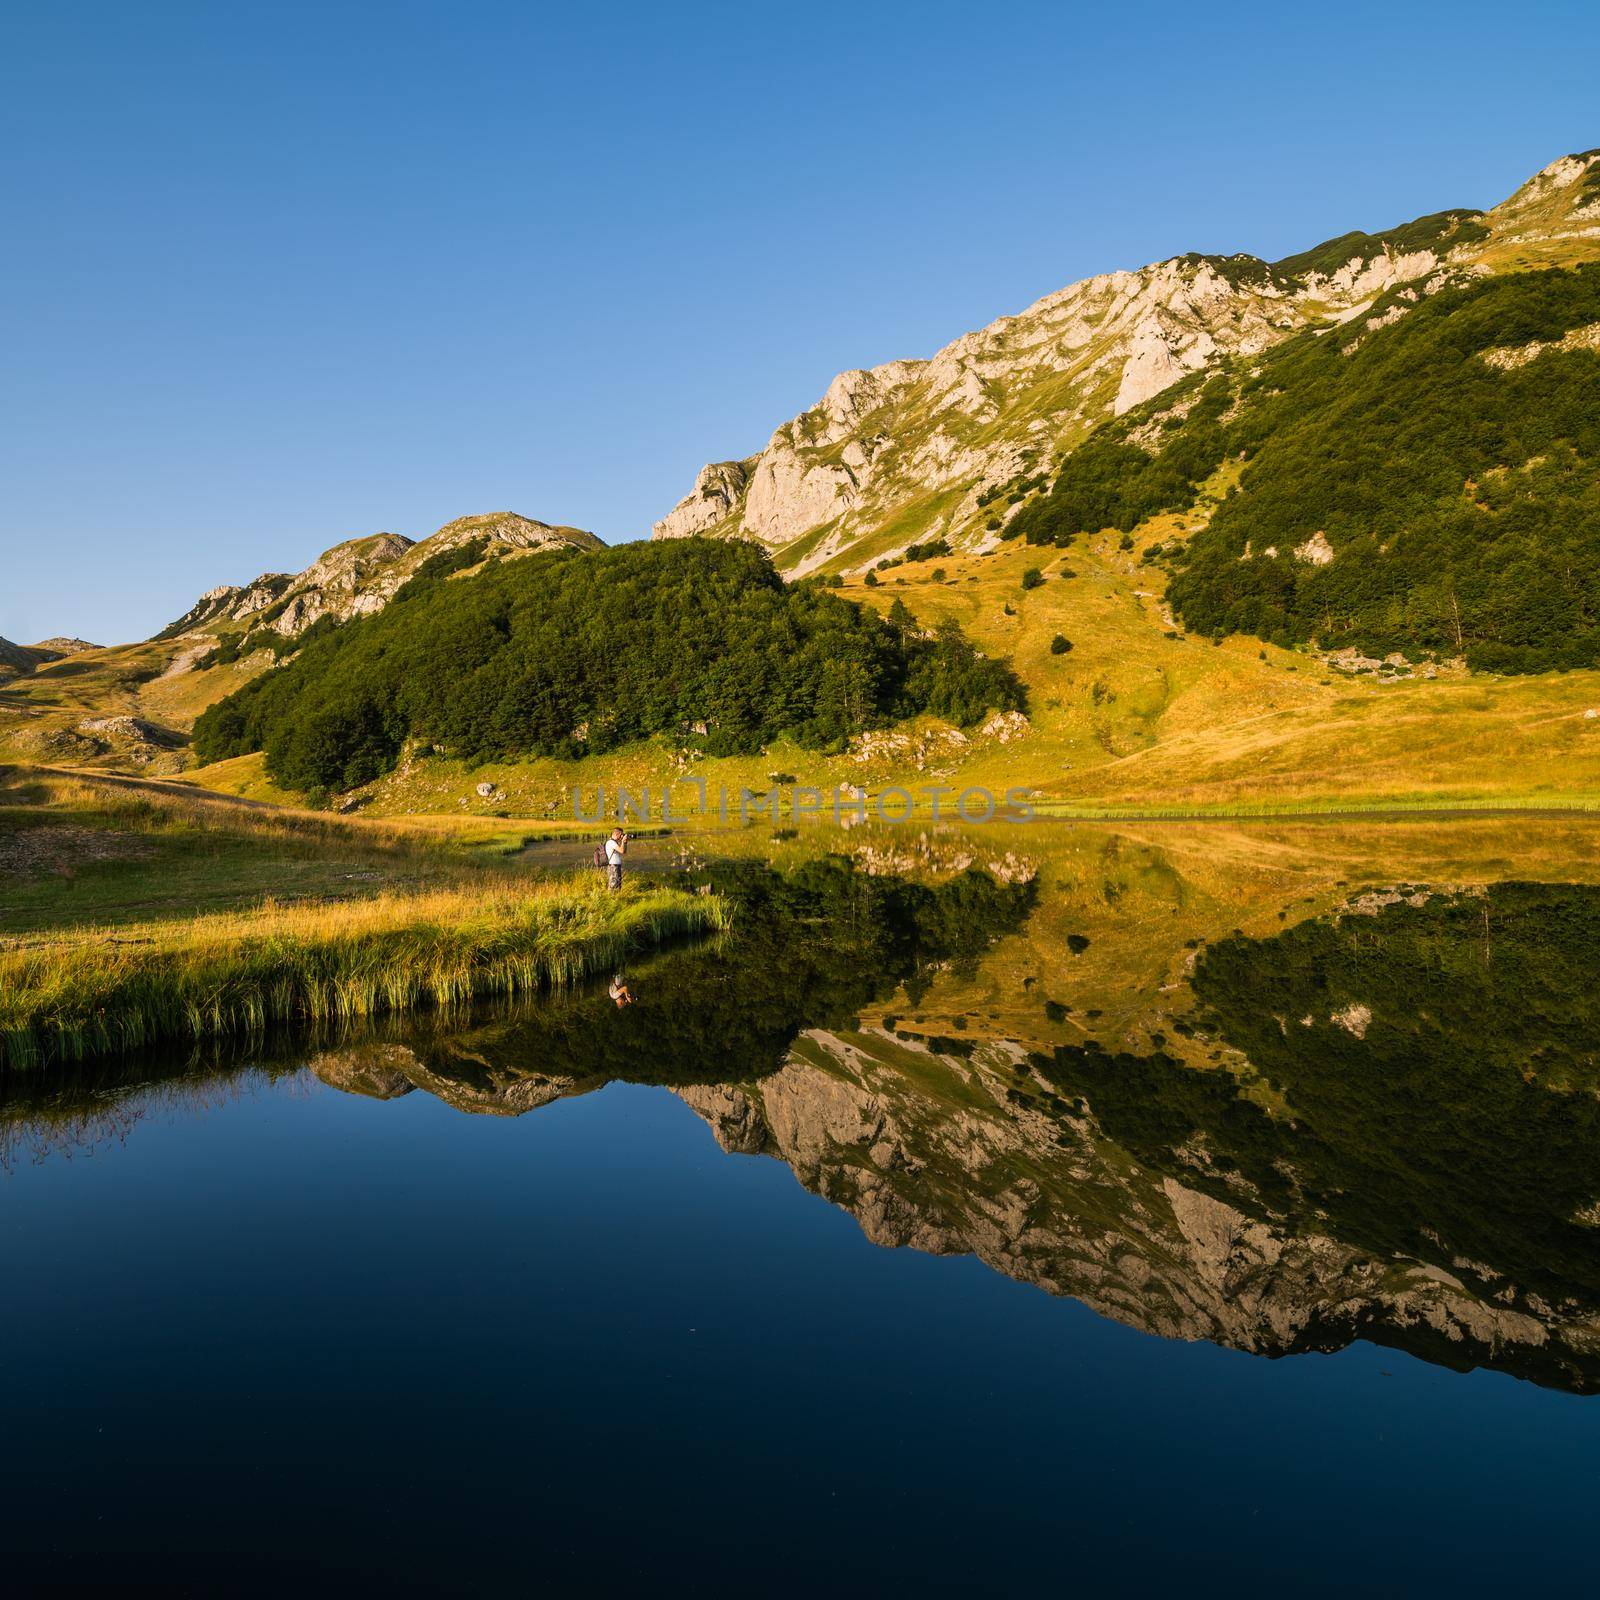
(77, 993)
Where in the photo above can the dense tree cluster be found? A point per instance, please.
(565, 654)
(1459, 497)
(1110, 482)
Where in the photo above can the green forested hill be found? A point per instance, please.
(1429, 483)
(567, 654)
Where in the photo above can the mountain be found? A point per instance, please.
(130, 706)
(360, 576)
(949, 448)
(16, 659)
(1378, 456)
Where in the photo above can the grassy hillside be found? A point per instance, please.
(1138, 717)
(136, 913)
(559, 655)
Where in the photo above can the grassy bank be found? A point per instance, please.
(79, 993)
(100, 850)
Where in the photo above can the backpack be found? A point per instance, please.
(600, 855)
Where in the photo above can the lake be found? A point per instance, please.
(1210, 1207)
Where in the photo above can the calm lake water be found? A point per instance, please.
(1152, 1209)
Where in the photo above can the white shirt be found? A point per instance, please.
(613, 853)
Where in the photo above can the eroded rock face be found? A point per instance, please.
(718, 489)
(361, 576)
(999, 404)
(882, 436)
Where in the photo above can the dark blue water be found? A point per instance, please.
(296, 1337)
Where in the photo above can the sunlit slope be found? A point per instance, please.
(1136, 717)
(124, 707)
(1139, 715)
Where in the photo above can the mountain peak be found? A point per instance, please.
(948, 447)
(359, 576)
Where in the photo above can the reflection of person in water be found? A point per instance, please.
(620, 992)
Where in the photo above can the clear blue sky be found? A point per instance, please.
(278, 274)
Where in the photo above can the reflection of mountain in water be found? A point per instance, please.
(1403, 1146)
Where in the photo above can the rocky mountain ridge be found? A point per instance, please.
(949, 447)
(360, 576)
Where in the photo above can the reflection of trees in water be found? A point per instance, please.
(1424, 1180)
(1440, 1061)
(808, 948)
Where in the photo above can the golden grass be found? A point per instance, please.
(156, 806)
(85, 992)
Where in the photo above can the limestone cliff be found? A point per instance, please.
(360, 576)
(948, 447)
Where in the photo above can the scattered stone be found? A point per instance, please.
(1354, 1018)
(1005, 726)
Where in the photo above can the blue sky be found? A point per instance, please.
(276, 275)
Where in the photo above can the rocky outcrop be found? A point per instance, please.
(1506, 358)
(718, 491)
(1036, 383)
(360, 576)
(923, 446)
(62, 645)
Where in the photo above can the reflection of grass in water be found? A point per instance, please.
(84, 992)
(781, 953)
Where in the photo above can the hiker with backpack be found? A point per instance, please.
(610, 854)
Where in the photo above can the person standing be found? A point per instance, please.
(616, 849)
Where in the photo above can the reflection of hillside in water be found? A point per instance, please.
(1378, 1123)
